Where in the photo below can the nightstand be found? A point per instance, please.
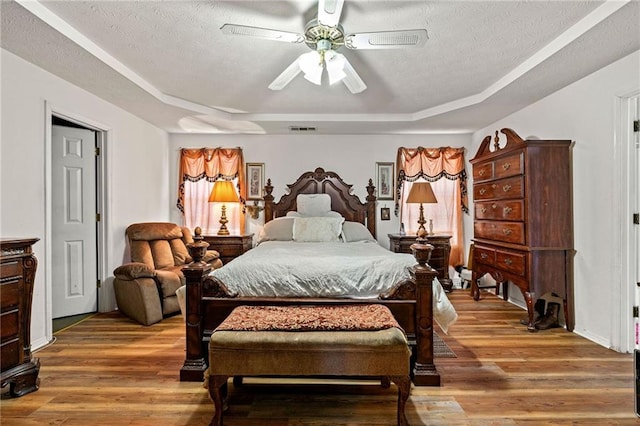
(229, 246)
(439, 255)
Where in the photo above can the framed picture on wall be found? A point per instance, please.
(255, 181)
(385, 181)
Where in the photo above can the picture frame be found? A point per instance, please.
(385, 181)
(255, 181)
(385, 213)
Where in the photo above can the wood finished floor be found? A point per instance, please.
(108, 370)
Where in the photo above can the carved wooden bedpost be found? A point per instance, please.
(371, 208)
(194, 364)
(268, 201)
(424, 371)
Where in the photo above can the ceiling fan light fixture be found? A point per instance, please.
(310, 64)
(335, 66)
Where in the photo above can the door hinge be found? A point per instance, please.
(636, 126)
(97, 151)
(97, 217)
(99, 284)
(636, 218)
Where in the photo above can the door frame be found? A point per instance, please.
(626, 254)
(103, 135)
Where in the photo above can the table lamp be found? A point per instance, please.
(421, 192)
(223, 192)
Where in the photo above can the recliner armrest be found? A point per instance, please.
(134, 270)
(211, 255)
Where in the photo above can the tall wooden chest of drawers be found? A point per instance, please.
(17, 274)
(523, 217)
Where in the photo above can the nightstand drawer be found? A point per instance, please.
(439, 259)
(229, 250)
(229, 246)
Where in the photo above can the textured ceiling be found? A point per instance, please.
(169, 63)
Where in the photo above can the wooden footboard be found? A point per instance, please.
(209, 302)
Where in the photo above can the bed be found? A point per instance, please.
(402, 282)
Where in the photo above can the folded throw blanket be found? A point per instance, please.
(309, 318)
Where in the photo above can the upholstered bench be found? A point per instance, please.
(342, 340)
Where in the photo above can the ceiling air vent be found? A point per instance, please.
(302, 129)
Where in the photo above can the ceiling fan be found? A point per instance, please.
(324, 36)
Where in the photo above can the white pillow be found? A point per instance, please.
(355, 231)
(317, 229)
(278, 229)
(327, 214)
(313, 204)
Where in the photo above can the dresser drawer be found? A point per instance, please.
(10, 269)
(500, 189)
(484, 255)
(500, 210)
(9, 324)
(482, 172)
(10, 294)
(513, 262)
(511, 165)
(10, 354)
(509, 232)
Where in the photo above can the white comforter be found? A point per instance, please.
(347, 270)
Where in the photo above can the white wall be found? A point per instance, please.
(136, 168)
(585, 112)
(286, 157)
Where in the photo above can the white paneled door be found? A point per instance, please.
(74, 231)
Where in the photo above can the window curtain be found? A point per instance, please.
(200, 168)
(431, 165)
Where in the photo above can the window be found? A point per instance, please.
(445, 169)
(199, 170)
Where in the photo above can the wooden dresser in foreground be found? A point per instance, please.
(17, 274)
(440, 254)
(229, 246)
(523, 218)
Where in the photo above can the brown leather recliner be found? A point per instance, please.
(146, 288)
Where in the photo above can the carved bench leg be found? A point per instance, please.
(404, 388)
(216, 391)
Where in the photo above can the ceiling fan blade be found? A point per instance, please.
(286, 76)
(386, 39)
(352, 80)
(243, 30)
(329, 12)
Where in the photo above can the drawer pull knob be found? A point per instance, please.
(506, 231)
(508, 261)
(494, 206)
(507, 210)
(506, 166)
(481, 172)
(483, 210)
(483, 256)
(506, 188)
(494, 186)
(482, 191)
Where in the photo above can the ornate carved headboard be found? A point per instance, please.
(322, 182)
